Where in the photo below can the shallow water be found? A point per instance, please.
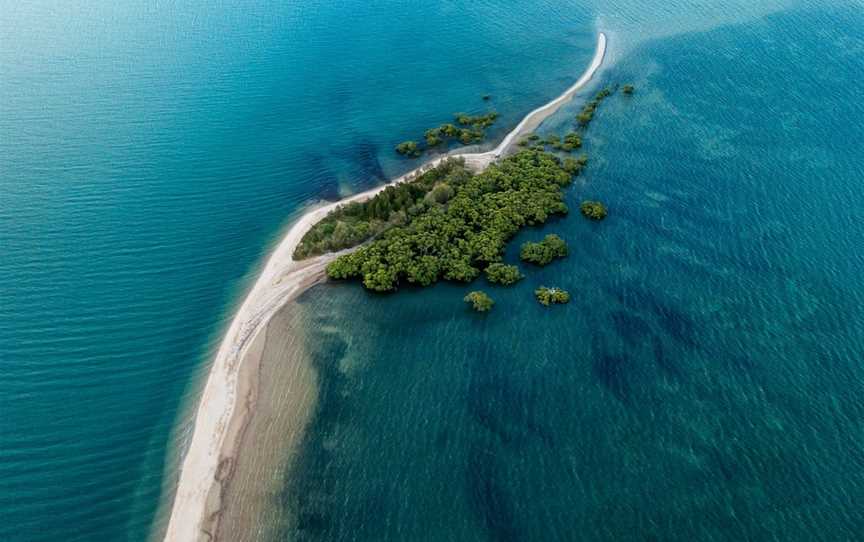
(702, 384)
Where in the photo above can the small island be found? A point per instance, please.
(628, 89)
(593, 210)
(551, 296)
(542, 253)
(479, 301)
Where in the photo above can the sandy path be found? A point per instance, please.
(214, 438)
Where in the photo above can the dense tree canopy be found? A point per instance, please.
(545, 251)
(457, 240)
(349, 225)
(479, 301)
(548, 296)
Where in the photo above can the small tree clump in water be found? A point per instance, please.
(549, 296)
(587, 114)
(571, 141)
(593, 210)
(628, 89)
(433, 137)
(479, 301)
(408, 148)
(545, 251)
(499, 273)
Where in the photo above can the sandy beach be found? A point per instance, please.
(229, 396)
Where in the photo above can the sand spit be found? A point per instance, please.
(229, 394)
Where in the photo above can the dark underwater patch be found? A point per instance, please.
(611, 372)
(662, 359)
(677, 324)
(367, 165)
(309, 490)
(632, 329)
(489, 502)
(506, 410)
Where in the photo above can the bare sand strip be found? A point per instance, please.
(209, 459)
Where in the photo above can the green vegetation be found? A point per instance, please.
(628, 89)
(487, 97)
(457, 239)
(433, 137)
(571, 141)
(545, 251)
(477, 121)
(499, 273)
(587, 114)
(548, 296)
(451, 224)
(554, 141)
(408, 148)
(351, 224)
(479, 301)
(574, 166)
(470, 129)
(466, 136)
(593, 210)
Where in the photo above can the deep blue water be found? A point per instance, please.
(704, 382)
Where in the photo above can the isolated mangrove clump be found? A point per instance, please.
(499, 273)
(479, 301)
(408, 148)
(549, 296)
(545, 251)
(593, 210)
(628, 89)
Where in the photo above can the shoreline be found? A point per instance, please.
(228, 400)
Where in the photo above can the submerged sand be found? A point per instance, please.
(230, 394)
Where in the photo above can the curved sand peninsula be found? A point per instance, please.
(229, 394)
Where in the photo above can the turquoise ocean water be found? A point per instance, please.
(704, 383)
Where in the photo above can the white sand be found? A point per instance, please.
(282, 279)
